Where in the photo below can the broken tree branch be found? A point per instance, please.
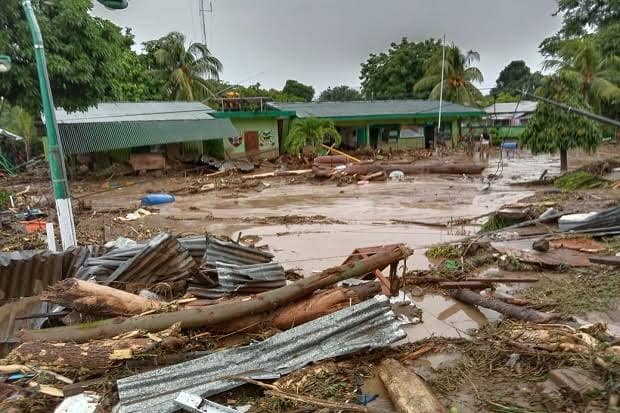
(223, 312)
(509, 310)
(91, 298)
(277, 392)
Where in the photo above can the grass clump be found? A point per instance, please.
(573, 181)
(443, 251)
(572, 294)
(497, 222)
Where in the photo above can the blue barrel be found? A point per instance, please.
(157, 198)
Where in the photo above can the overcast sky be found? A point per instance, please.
(323, 42)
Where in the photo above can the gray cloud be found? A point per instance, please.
(323, 42)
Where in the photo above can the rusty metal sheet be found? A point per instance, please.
(582, 244)
(522, 250)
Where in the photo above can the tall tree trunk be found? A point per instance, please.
(563, 160)
(223, 312)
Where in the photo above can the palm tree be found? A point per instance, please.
(582, 59)
(459, 75)
(185, 69)
(311, 131)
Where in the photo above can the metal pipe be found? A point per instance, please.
(55, 156)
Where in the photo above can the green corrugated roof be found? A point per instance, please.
(128, 125)
(377, 109)
(137, 111)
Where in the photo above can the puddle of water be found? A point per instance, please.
(374, 385)
(443, 317)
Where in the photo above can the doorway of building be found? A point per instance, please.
(429, 136)
(251, 141)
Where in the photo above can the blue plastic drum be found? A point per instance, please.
(157, 198)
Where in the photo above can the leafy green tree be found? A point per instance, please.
(552, 129)
(295, 88)
(82, 54)
(392, 74)
(311, 131)
(459, 75)
(184, 69)
(136, 83)
(340, 94)
(596, 74)
(22, 123)
(516, 77)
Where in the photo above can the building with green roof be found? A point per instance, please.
(396, 124)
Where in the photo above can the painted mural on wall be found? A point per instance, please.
(267, 137)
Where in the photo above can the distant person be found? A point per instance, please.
(485, 143)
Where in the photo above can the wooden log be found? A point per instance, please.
(509, 310)
(92, 355)
(490, 280)
(409, 392)
(331, 149)
(276, 173)
(472, 285)
(612, 260)
(308, 309)
(414, 169)
(224, 312)
(92, 298)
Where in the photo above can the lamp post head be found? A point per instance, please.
(114, 4)
(5, 63)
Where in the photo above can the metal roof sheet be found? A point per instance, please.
(110, 135)
(377, 109)
(525, 106)
(162, 259)
(370, 324)
(136, 111)
(232, 253)
(246, 279)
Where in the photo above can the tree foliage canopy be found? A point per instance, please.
(516, 77)
(595, 74)
(311, 131)
(183, 69)
(340, 94)
(295, 88)
(82, 54)
(459, 75)
(552, 129)
(392, 74)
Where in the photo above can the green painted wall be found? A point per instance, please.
(267, 129)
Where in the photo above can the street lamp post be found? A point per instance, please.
(55, 156)
(56, 159)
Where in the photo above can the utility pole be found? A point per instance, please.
(55, 155)
(203, 22)
(443, 63)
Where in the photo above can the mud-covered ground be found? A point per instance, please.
(310, 225)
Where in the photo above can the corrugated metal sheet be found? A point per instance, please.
(606, 219)
(245, 279)
(162, 259)
(137, 111)
(100, 137)
(27, 273)
(196, 245)
(525, 106)
(367, 325)
(376, 109)
(101, 267)
(232, 253)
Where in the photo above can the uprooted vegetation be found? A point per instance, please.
(573, 181)
(576, 292)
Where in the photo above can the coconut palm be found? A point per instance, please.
(311, 131)
(598, 75)
(185, 69)
(459, 75)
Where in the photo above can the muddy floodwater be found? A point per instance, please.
(367, 215)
